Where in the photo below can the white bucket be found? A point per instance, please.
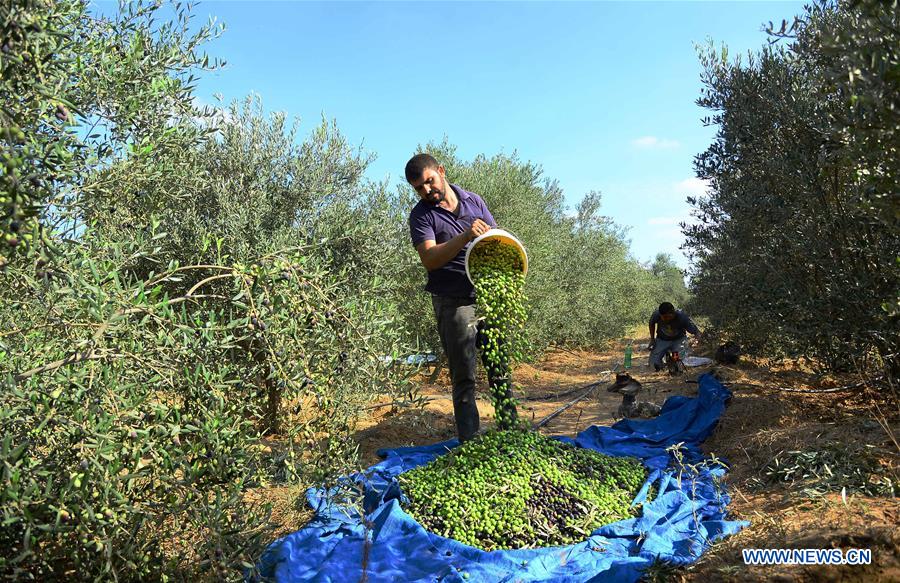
(504, 237)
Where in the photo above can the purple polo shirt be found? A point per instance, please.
(430, 221)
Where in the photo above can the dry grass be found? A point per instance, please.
(289, 509)
(764, 422)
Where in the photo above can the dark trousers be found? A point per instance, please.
(456, 326)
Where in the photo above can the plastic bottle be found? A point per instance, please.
(628, 352)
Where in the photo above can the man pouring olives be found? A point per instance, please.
(442, 224)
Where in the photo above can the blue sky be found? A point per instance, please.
(600, 94)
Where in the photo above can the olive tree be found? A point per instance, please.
(793, 252)
(188, 298)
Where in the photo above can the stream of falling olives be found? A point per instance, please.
(512, 487)
(498, 273)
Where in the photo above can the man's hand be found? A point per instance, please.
(652, 345)
(478, 228)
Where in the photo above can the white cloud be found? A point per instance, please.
(664, 220)
(652, 142)
(673, 235)
(693, 186)
(211, 115)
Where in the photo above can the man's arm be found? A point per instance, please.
(436, 255)
(691, 327)
(654, 318)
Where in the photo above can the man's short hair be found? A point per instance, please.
(666, 308)
(418, 164)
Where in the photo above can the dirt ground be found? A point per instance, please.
(760, 424)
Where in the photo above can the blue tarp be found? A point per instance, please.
(687, 514)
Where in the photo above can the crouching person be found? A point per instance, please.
(668, 331)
